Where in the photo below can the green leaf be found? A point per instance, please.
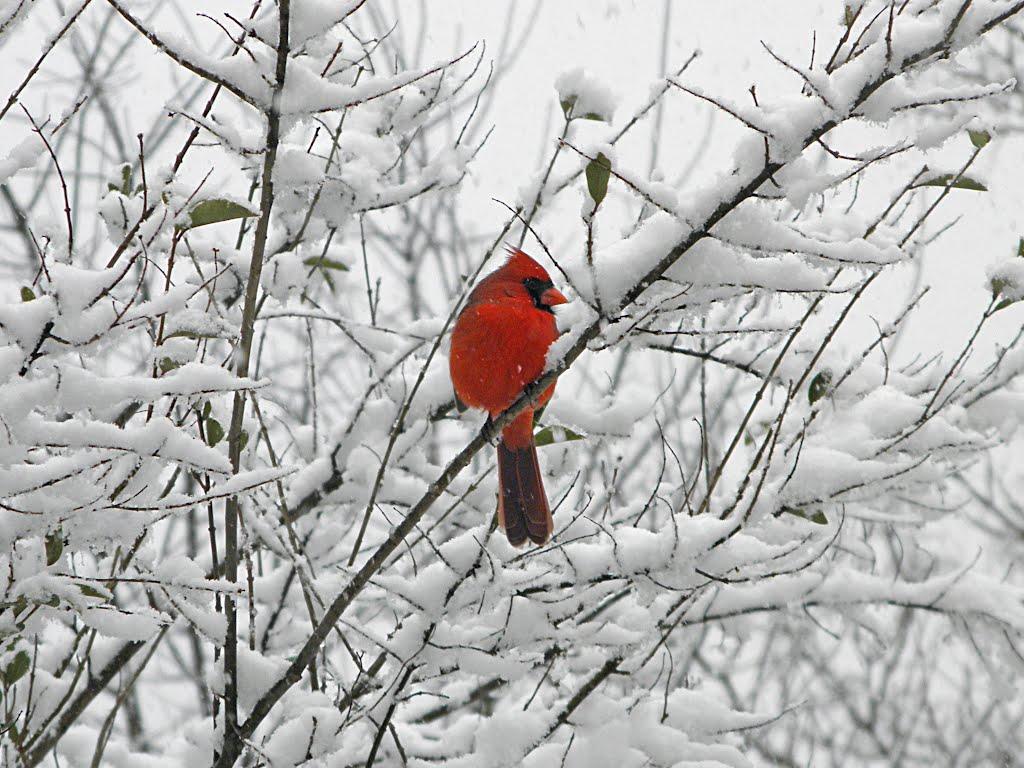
(216, 211)
(850, 16)
(325, 263)
(569, 103)
(207, 407)
(90, 591)
(119, 489)
(997, 285)
(27, 294)
(17, 668)
(125, 186)
(54, 547)
(979, 138)
(536, 415)
(214, 432)
(817, 516)
(598, 171)
(166, 365)
(947, 180)
(195, 335)
(129, 410)
(328, 279)
(243, 440)
(820, 385)
(547, 436)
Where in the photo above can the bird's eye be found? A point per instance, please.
(536, 288)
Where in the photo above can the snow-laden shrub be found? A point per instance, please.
(242, 521)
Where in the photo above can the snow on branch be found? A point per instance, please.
(237, 493)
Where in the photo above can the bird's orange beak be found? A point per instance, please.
(553, 296)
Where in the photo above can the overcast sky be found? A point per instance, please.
(621, 42)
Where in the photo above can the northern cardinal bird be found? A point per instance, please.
(499, 344)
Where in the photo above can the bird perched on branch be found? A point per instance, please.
(499, 345)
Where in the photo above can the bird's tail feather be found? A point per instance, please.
(522, 504)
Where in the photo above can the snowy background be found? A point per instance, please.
(781, 457)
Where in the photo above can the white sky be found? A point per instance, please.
(620, 41)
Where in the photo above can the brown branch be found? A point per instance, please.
(77, 707)
(183, 62)
(231, 745)
(51, 44)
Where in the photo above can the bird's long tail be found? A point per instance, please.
(522, 504)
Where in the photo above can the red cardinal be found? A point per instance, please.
(498, 347)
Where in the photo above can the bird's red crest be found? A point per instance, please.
(520, 265)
